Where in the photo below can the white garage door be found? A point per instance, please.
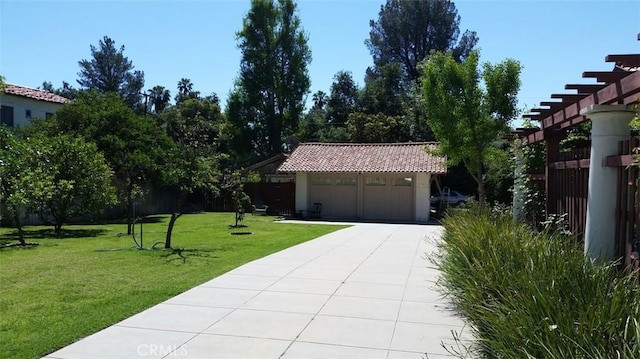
(337, 194)
(389, 197)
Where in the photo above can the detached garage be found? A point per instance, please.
(385, 181)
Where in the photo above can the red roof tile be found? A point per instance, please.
(39, 95)
(366, 157)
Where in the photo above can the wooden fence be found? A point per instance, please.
(627, 201)
(567, 188)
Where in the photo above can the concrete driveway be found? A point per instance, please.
(361, 292)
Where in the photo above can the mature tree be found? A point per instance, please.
(385, 92)
(343, 99)
(134, 146)
(268, 100)
(14, 195)
(467, 117)
(110, 71)
(185, 90)
(407, 31)
(70, 178)
(159, 98)
(193, 162)
(376, 128)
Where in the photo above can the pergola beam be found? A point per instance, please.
(629, 60)
(568, 98)
(605, 76)
(584, 89)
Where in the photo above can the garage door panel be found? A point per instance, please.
(389, 197)
(336, 193)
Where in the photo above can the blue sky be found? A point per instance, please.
(554, 40)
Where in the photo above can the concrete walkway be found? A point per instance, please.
(362, 292)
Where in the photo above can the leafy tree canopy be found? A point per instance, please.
(268, 100)
(109, 70)
(193, 162)
(134, 146)
(467, 117)
(67, 177)
(407, 31)
(343, 99)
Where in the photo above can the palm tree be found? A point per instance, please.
(185, 90)
(319, 100)
(159, 97)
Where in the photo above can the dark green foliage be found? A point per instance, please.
(110, 71)
(66, 90)
(499, 175)
(534, 295)
(14, 191)
(376, 128)
(343, 99)
(241, 204)
(319, 100)
(185, 91)
(134, 146)
(384, 91)
(268, 100)
(407, 31)
(67, 177)
(158, 98)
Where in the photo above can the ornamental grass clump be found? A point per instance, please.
(529, 294)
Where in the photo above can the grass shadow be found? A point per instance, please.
(182, 254)
(148, 219)
(49, 233)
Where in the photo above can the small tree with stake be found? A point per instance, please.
(241, 201)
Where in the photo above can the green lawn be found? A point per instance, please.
(92, 276)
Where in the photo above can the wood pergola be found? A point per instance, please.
(566, 173)
(618, 86)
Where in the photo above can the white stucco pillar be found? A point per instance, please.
(422, 200)
(519, 188)
(609, 125)
(302, 185)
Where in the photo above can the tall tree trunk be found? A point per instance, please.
(177, 212)
(481, 191)
(129, 208)
(172, 222)
(57, 228)
(16, 218)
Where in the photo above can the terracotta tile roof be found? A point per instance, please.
(39, 95)
(365, 157)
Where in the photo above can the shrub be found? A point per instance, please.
(529, 294)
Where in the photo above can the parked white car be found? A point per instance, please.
(454, 198)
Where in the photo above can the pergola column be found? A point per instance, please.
(519, 187)
(609, 125)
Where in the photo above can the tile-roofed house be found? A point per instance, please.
(20, 104)
(364, 157)
(35, 94)
(375, 181)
